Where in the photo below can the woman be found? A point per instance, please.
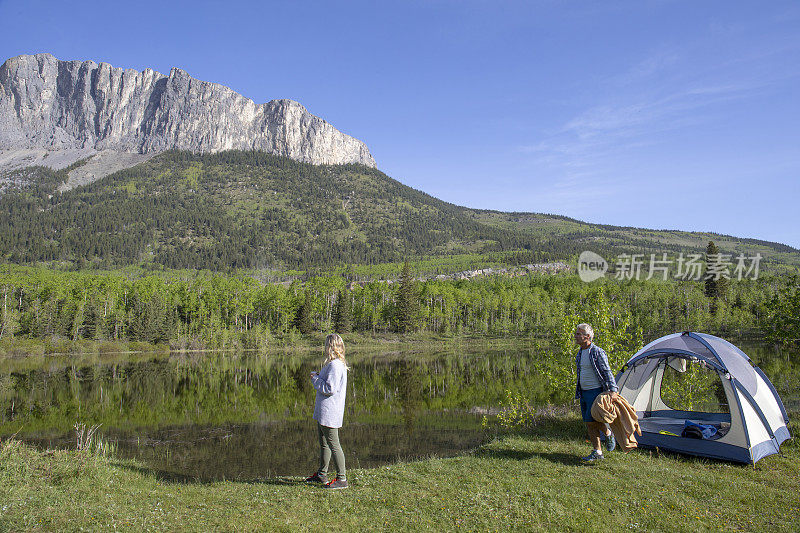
(331, 386)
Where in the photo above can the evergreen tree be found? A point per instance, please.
(407, 303)
(715, 288)
(303, 318)
(343, 317)
(149, 320)
(92, 322)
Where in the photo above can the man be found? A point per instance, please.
(594, 377)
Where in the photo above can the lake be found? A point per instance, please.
(242, 416)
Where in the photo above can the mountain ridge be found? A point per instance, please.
(89, 107)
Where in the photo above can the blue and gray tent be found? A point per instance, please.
(756, 422)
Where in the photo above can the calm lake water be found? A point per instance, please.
(209, 416)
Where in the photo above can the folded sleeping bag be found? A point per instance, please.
(698, 431)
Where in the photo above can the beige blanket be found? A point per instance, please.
(620, 416)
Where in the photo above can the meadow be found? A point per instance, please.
(527, 481)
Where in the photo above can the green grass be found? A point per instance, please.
(524, 482)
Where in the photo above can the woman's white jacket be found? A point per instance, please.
(331, 387)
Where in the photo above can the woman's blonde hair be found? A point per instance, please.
(334, 349)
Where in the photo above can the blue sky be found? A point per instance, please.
(658, 114)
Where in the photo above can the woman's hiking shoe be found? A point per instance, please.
(611, 442)
(336, 484)
(592, 457)
(317, 478)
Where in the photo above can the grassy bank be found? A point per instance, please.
(17, 347)
(520, 482)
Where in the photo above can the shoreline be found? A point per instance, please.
(20, 347)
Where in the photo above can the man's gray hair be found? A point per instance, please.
(586, 328)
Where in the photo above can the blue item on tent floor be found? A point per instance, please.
(705, 431)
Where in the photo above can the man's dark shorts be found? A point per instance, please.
(587, 400)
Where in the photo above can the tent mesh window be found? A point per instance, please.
(698, 388)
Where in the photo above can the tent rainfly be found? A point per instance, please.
(755, 425)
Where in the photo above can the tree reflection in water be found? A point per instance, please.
(212, 416)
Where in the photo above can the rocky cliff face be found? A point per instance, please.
(72, 105)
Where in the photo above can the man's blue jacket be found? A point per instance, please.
(600, 364)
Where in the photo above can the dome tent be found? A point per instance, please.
(755, 425)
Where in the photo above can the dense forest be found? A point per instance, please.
(217, 310)
(251, 210)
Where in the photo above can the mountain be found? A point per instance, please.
(56, 112)
(198, 176)
(238, 209)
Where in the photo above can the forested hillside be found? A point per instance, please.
(239, 210)
(252, 210)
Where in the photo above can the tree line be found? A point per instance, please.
(230, 310)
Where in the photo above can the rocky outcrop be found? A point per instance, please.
(511, 272)
(84, 106)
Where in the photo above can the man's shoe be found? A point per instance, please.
(592, 457)
(611, 442)
(317, 478)
(336, 484)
